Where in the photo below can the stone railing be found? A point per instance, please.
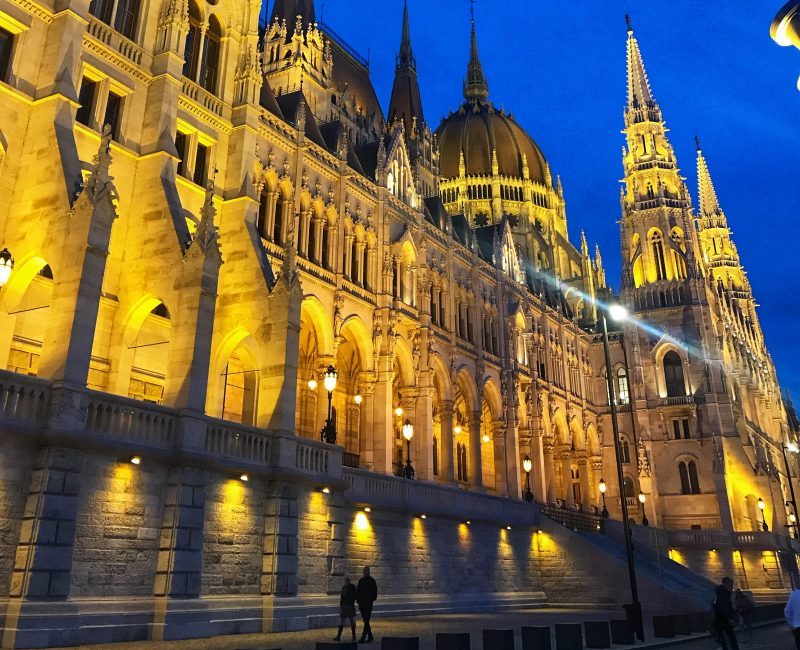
(680, 400)
(316, 457)
(126, 420)
(107, 35)
(574, 519)
(201, 96)
(23, 400)
(237, 441)
(368, 489)
(701, 538)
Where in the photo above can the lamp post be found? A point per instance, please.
(408, 433)
(642, 499)
(603, 487)
(527, 465)
(618, 313)
(329, 430)
(6, 266)
(761, 506)
(792, 446)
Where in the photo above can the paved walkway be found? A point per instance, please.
(773, 637)
(426, 628)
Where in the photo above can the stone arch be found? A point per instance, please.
(593, 439)
(313, 311)
(26, 302)
(441, 377)
(491, 451)
(577, 435)
(560, 427)
(354, 328)
(241, 346)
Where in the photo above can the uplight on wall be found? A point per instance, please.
(136, 460)
(244, 478)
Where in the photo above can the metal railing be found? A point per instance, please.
(576, 520)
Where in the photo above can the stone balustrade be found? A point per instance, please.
(203, 97)
(24, 400)
(111, 38)
(368, 489)
(125, 420)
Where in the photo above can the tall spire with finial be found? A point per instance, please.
(475, 87)
(406, 101)
(640, 96)
(709, 205)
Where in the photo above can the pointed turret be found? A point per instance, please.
(709, 205)
(640, 96)
(406, 102)
(476, 89)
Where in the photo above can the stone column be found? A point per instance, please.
(383, 417)
(446, 453)
(367, 424)
(423, 431)
(43, 565)
(549, 466)
(279, 567)
(475, 465)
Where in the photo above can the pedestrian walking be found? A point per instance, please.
(347, 608)
(792, 614)
(725, 615)
(366, 595)
(744, 605)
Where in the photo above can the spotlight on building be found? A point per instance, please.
(326, 490)
(244, 477)
(508, 527)
(468, 522)
(423, 516)
(6, 266)
(136, 460)
(785, 28)
(367, 509)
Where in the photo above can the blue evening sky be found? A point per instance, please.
(560, 68)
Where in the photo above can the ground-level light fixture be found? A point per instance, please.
(367, 509)
(244, 477)
(136, 460)
(527, 465)
(326, 490)
(508, 527)
(642, 499)
(468, 522)
(603, 487)
(408, 433)
(6, 266)
(329, 430)
(761, 506)
(423, 516)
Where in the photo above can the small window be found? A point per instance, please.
(625, 451)
(622, 386)
(201, 164)
(113, 106)
(102, 10)
(6, 51)
(628, 487)
(182, 145)
(687, 434)
(86, 99)
(125, 22)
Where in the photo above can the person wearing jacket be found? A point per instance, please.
(347, 608)
(792, 614)
(724, 615)
(366, 595)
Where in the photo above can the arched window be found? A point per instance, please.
(657, 243)
(673, 375)
(263, 212)
(576, 486)
(210, 68)
(650, 193)
(690, 483)
(239, 394)
(277, 228)
(194, 37)
(628, 487)
(623, 392)
(625, 451)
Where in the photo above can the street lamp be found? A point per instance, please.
(6, 266)
(408, 433)
(761, 506)
(619, 313)
(527, 465)
(329, 430)
(603, 487)
(792, 447)
(642, 499)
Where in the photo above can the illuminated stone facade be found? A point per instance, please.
(206, 212)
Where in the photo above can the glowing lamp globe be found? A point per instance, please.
(312, 384)
(330, 379)
(527, 464)
(358, 399)
(792, 518)
(399, 411)
(792, 446)
(761, 504)
(602, 486)
(617, 312)
(457, 430)
(408, 430)
(486, 438)
(642, 497)
(6, 266)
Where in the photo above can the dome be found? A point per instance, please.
(477, 129)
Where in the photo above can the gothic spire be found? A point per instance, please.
(406, 101)
(640, 96)
(406, 56)
(475, 87)
(290, 11)
(709, 205)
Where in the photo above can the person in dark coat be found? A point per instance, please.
(366, 595)
(725, 615)
(347, 608)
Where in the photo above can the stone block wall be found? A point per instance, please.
(16, 461)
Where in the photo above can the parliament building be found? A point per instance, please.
(239, 301)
